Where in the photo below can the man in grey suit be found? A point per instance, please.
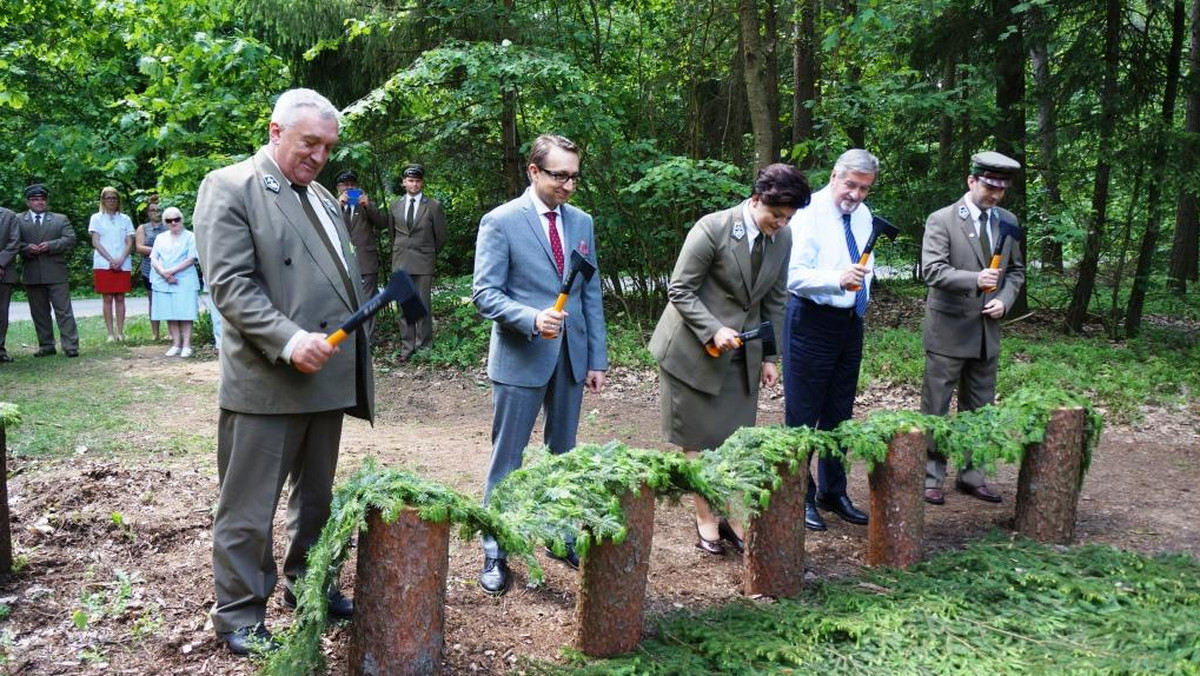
(46, 242)
(538, 357)
(418, 232)
(362, 219)
(966, 301)
(10, 244)
(280, 269)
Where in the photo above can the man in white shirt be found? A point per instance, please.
(823, 332)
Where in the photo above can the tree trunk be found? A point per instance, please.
(897, 503)
(804, 64)
(948, 169)
(1050, 479)
(612, 584)
(5, 532)
(399, 597)
(1082, 296)
(511, 167)
(1141, 277)
(774, 561)
(758, 86)
(1187, 223)
(1010, 100)
(1040, 31)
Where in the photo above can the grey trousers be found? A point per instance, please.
(975, 380)
(514, 412)
(419, 334)
(255, 454)
(41, 298)
(6, 292)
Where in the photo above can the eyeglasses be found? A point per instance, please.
(561, 177)
(174, 220)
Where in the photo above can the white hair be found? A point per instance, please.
(857, 160)
(293, 102)
(172, 212)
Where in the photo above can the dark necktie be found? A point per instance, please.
(556, 246)
(756, 256)
(38, 221)
(985, 236)
(860, 298)
(410, 216)
(302, 191)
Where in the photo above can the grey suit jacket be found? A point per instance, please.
(955, 325)
(50, 267)
(270, 275)
(515, 279)
(362, 229)
(711, 287)
(10, 244)
(415, 249)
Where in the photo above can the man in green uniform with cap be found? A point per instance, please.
(967, 299)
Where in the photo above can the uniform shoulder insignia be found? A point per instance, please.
(739, 230)
(963, 211)
(271, 184)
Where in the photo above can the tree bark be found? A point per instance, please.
(774, 558)
(1082, 296)
(894, 534)
(1049, 482)
(6, 559)
(804, 65)
(1184, 247)
(948, 169)
(1043, 82)
(1010, 101)
(758, 86)
(400, 597)
(612, 584)
(1141, 276)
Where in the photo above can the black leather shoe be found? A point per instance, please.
(44, 353)
(571, 559)
(496, 577)
(842, 506)
(812, 518)
(256, 640)
(981, 492)
(71, 354)
(729, 535)
(339, 607)
(707, 546)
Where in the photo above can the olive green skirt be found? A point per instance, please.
(696, 420)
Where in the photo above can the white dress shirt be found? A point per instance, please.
(819, 251)
(752, 231)
(416, 204)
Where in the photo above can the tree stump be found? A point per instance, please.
(612, 584)
(897, 504)
(1049, 482)
(5, 534)
(774, 561)
(399, 597)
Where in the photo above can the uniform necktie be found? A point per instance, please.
(302, 191)
(756, 255)
(985, 236)
(860, 298)
(410, 216)
(556, 246)
(39, 221)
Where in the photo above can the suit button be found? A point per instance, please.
(287, 261)
(323, 324)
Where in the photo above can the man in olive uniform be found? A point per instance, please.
(46, 242)
(966, 301)
(418, 231)
(10, 244)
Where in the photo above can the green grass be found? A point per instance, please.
(98, 402)
(997, 607)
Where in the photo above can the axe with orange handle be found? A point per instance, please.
(765, 332)
(579, 265)
(400, 289)
(1007, 229)
(879, 226)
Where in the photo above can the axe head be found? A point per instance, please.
(1009, 228)
(767, 333)
(581, 265)
(882, 226)
(400, 289)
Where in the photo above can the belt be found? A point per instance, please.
(829, 310)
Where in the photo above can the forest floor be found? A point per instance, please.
(116, 548)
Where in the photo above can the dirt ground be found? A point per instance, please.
(117, 578)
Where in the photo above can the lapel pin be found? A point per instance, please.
(739, 230)
(963, 211)
(271, 184)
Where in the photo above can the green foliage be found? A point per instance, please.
(998, 607)
(202, 329)
(461, 338)
(10, 415)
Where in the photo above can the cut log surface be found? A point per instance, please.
(400, 597)
(1048, 485)
(897, 503)
(612, 584)
(774, 559)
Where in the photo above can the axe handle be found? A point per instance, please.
(336, 337)
(995, 265)
(714, 351)
(558, 307)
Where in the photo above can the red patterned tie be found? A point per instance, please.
(555, 243)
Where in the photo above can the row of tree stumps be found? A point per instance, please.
(402, 567)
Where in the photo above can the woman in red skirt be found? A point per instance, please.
(112, 239)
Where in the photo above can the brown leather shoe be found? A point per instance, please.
(981, 492)
(934, 496)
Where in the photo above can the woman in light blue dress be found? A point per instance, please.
(174, 282)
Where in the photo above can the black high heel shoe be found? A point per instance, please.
(729, 535)
(707, 546)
